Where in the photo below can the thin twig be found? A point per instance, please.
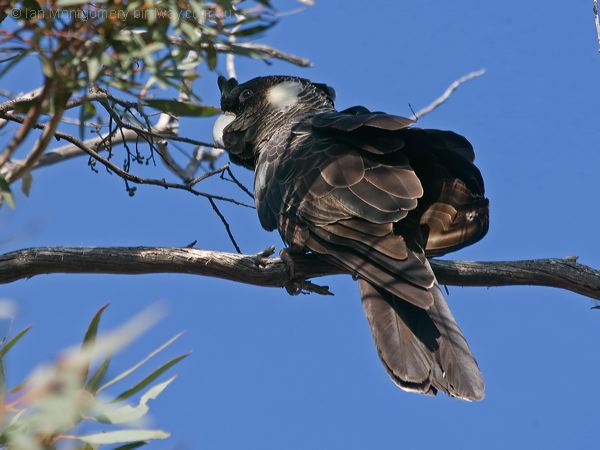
(447, 93)
(202, 154)
(208, 174)
(149, 133)
(225, 224)
(101, 97)
(127, 135)
(261, 49)
(70, 151)
(168, 124)
(597, 22)
(238, 183)
(126, 175)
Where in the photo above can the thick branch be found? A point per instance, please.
(559, 273)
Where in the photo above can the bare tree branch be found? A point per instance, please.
(272, 272)
(29, 121)
(145, 132)
(448, 92)
(230, 56)
(37, 151)
(597, 22)
(101, 143)
(162, 131)
(123, 173)
(69, 151)
(21, 98)
(263, 49)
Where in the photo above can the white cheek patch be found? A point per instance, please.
(284, 94)
(222, 121)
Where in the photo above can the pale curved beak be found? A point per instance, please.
(222, 121)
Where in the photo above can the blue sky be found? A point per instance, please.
(273, 372)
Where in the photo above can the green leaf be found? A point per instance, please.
(2, 383)
(190, 31)
(199, 12)
(87, 111)
(211, 56)
(47, 65)
(6, 347)
(19, 387)
(25, 105)
(71, 2)
(92, 330)
(95, 380)
(150, 378)
(16, 417)
(32, 6)
(122, 436)
(3, 351)
(128, 413)
(14, 60)
(90, 335)
(251, 31)
(141, 363)
(178, 108)
(26, 181)
(131, 446)
(6, 193)
(151, 15)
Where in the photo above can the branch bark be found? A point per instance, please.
(597, 22)
(272, 272)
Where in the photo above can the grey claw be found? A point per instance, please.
(261, 258)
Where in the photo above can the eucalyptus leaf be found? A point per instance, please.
(90, 335)
(131, 446)
(64, 3)
(87, 111)
(178, 108)
(92, 330)
(211, 57)
(14, 60)
(128, 413)
(26, 181)
(2, 383)
(6, 193)
(98, 377)
(140, 364)
(122, 436)
(252, 31)
(32, 5)
(94, 67)
(150, 378)
(6, 347)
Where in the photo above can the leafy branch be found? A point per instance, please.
(58, 399)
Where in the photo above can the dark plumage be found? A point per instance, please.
(373, 195)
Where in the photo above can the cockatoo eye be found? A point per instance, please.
(245, 95)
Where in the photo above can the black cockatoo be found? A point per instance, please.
(375, 196)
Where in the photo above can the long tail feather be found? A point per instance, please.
(422, 350)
